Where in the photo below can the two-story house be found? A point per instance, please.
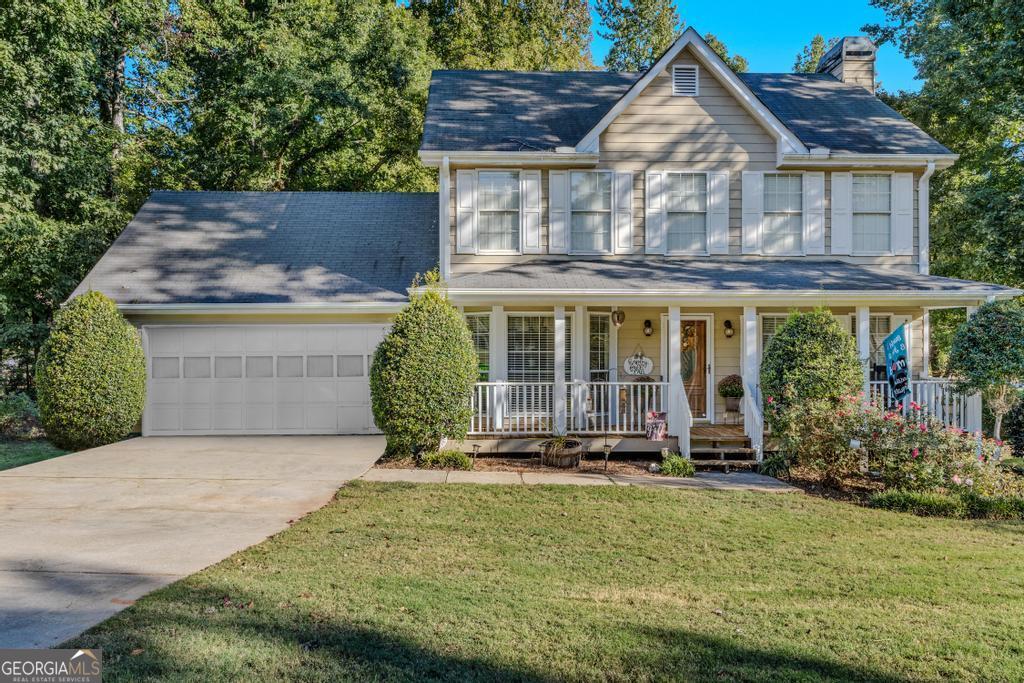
(619, 243)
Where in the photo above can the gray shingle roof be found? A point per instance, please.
(513, 111)
(510, 111)
(825, 112)
(711, 275)
(270, 247)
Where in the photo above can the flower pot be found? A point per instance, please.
(565, 455)
(732, 404)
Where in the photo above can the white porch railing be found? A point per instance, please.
(528, 408)
(936, 396)
(618, 407)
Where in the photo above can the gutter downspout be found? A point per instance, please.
(444, 180)
(924, 252)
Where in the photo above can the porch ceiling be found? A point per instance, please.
(761, 280)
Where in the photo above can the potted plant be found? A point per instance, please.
(561, 451)
(731, 389)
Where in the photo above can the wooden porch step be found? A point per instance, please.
(739, 450)
(724, 464)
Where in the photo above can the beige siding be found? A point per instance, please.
(658, 131)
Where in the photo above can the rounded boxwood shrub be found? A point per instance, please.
(423, 373)
(811, 357)
(449, 459)
(91, 375)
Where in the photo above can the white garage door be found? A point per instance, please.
(259, 379)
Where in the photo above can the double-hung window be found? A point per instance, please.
(872, 213)
(783, 227)
(770, 325)
(498, 211)
(591, 212)
(531, 348)
(686, 212)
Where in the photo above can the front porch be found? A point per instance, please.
(599, 372)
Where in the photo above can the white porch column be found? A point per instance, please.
(926, 345)
(580, 367)
(676, 412)
(973, 401)
(559, 388)
(753, 421)
(864, 347)
(497, 351)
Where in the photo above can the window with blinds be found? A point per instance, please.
(880, 326)
(480, 330)
(600, 347)
(770, 325)
(686, 212)
(783, 226)
(684, 80)
(872, 213)
(531, 348)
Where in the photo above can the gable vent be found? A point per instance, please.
(684, 80)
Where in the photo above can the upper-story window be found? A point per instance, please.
(498, 211)
(872, 213)
(686, 212)
(783, 214)
(591, 209)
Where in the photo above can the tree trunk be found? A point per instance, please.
(998, 428)
(112, 58)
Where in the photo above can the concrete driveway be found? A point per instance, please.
(84, 535)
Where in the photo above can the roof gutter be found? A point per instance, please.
(312, 307)
(483, 158)
(841, 160)
(608, 297)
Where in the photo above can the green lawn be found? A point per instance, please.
(18, 453)
(413, 582)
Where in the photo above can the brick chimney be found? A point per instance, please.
(851, 60)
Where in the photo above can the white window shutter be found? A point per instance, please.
(842, 213)
(903, 213)
(654, 240)
(529, 198)
(753, 211)
(465, 212)
(623, 212)
(814, 213)
(558, 212)
(718, 212)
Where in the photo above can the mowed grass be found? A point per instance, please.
(416, 582)
(18, 453)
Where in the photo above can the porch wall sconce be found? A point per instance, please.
(728, 329)
(648, 328)
(618, 317)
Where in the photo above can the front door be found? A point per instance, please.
(696, 362)
(694, 365)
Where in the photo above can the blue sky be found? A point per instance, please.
(769, 33)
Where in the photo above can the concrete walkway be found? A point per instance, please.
(734, 481)
(84, 535)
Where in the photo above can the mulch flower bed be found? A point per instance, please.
(854, 488)
(532, 464)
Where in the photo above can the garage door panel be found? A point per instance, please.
(164, 392)
(227, 417)
(195, 417)
(227, 392)
(259, 418)
(197, 340)
(260, 378)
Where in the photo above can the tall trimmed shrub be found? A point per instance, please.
(810, 358)
(423, 374)
(988, 357)
(91, 375)
(808, 373)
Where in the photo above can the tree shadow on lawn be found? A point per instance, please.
(300, 645)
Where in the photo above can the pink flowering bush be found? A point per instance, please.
(914, 452)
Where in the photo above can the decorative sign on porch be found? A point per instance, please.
(896, 365)
(638, 364)
(657, 426)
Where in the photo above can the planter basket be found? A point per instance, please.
(567, 456)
